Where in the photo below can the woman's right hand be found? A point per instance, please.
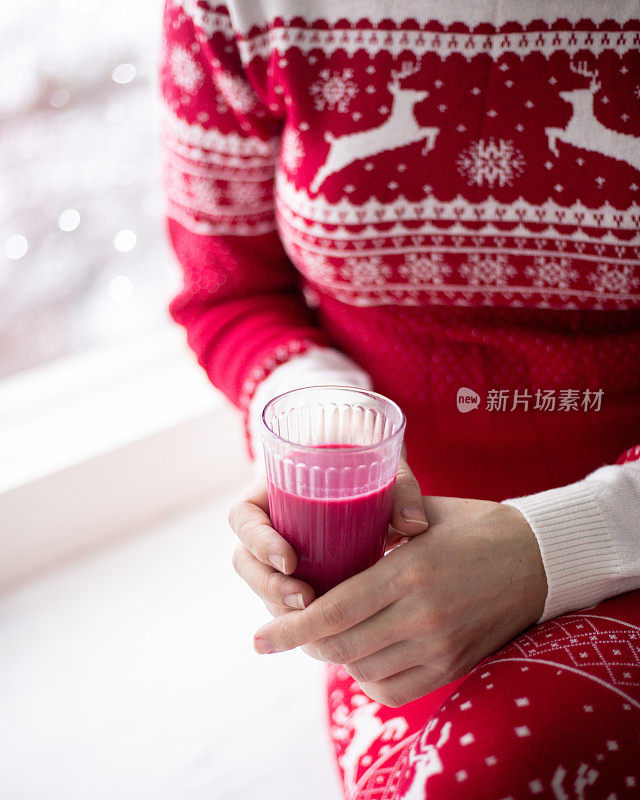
(266, 561)
(263, 558)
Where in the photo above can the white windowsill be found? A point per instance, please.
(100, 443)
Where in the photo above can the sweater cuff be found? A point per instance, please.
(318, 366)
(578, 552)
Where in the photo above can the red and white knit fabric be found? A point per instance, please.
(555, 715)
(451, 197)
(440, 187)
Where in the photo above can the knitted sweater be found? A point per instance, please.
(441, 200)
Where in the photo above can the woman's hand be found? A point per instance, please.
(265, 560)
(429, 611)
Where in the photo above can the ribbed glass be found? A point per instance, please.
(301, 428)
(331, 456)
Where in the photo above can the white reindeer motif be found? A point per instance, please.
(399, 129)
(586, 132)
(427, 761)
(366, 729)
(585, 776)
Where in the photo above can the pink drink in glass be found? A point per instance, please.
(334, 537)
(332, 456)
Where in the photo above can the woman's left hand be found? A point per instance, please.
(431, 609)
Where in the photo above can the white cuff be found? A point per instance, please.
(317, 366)
(589, 537)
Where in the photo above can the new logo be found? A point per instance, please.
(467, 400)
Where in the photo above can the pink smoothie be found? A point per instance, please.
(335, 537)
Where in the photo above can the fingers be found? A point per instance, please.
(277, 610)
(364, 639)
(251, 524)
(408, 515)
(394, 539)
(272, 586)
(338, 610)
(256, 493)
(406, 686)
(386, 662)
(439, 508)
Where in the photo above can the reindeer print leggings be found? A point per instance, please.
(554, 715)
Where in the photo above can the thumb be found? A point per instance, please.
(407, 515)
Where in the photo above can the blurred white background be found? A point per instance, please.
(126, 667)
(129, 675)
(83, 256)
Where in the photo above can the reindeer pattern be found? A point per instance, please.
(425, 760)
(585, 131)
(366, 728)
(402, 128)
(399, 129)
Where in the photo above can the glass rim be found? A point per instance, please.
(352, 448)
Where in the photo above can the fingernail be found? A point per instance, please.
(262, 646)
(278, 562)
(413, 513)
(294, 600)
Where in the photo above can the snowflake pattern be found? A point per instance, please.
(292, 151)
(246, 194)
(614, 279)
(551, 272)
(205, 191)
(483, 270)
(237, 92)
(636, 92)
(334, 91)
(491, 162)
(363, 272)
(175, 183)
(186, 71)
(424, 269)
(317, 267)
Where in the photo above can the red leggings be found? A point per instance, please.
(555, 714)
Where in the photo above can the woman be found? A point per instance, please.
(439, 201)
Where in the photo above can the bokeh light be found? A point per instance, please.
(69, 219)
(125, 241)
(123, 73)
(16, 246)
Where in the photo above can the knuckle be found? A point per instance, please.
(333, 613)
(405, 578)
(361, 671)
(327, 650)
(391, 697)
(436, 621)
(395, 700)
(403, 470)
(285, 634)
(233, 512)
(406, 478)
(333, 651)
(273, 585)
(238, 515)
(447, 648)
(439, 675)
(236, 559)
(397, 582)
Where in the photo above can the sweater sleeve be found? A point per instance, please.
(316, 367)
(241, 302)
(589, 535)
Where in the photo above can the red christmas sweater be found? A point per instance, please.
(448, 195)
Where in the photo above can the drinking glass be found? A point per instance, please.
(331, 455)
